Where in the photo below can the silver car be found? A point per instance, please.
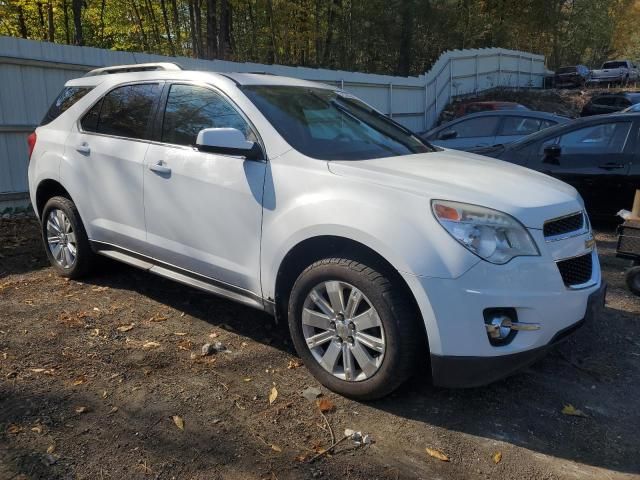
(485, 129)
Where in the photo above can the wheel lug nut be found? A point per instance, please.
(350, 340)
(333, 325)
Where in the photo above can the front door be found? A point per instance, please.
(595, 159)
(203, 210)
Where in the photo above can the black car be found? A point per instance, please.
(599, 156)
(610, 103)
(573, 76)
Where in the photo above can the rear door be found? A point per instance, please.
(595, 159)
(105, 161)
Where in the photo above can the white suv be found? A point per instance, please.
(301, 200)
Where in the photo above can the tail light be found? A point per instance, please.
(31, 142)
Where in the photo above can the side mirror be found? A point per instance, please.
(552, 154)
(447, 135)
(228, 141)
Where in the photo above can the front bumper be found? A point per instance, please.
(470, 371)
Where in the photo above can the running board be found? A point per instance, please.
(182, 276)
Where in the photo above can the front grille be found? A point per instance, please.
(564, 225)
(577, 270)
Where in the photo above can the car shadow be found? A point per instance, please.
(593, 370)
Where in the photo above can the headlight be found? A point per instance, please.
(492, 235)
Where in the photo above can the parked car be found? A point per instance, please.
(597, 155)
(610, 103)
(466, 108)
(633, 108)
(489, 128)
(616, 71)
(572, 76)
(298, 199)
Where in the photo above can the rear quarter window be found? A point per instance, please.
(65, 100)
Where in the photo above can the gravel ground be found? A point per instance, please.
(103, 379)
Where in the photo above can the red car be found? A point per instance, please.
(474, 107)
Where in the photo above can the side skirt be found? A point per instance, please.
(180, 275)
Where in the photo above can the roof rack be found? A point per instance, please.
(138, 67)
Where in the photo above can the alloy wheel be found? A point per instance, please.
(343, 331)
(61, 239)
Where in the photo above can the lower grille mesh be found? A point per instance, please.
(576, 271)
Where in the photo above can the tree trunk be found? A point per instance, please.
(406, 38)
(24, 33)
(192, 29)
(67, 35)
(154, 23)
(52, 27)
(43, 29)
(272, 54)
(212, 30)
(165, 18)
(102, 7)
(76, 7)
(143, 35)
(197, 11)
(225, 29)
(176, 25)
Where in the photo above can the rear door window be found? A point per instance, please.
(475, 127)
(606, 138)
(65, 100)
(124, 112)
(519, 126)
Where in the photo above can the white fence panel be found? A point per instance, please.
(32, 73)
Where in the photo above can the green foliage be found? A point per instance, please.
(383, 36)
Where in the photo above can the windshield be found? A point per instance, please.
(614, 65)
(329, 125)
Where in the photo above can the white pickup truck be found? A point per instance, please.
(615, 71)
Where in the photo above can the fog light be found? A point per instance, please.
(502, 325)
(499, 327)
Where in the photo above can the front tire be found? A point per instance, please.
(633, 279)
(356, 330)
(65, 239)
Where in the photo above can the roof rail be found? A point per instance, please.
(137, 67)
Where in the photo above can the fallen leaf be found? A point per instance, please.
(113, 410)
(37, 429)
(213, 335)
(105, 394)
(77, 382)
(149, 345)
(437, 454)
(273, 394)
(99, 289)
(496, 457)
(51, 449)
(326, 405)
(95, 332)
(573, 411)
(14, 429)
(294, 364)
(82, 409)
(276, 448)
(180, 334)
(248, 379)
(178, 421)
(126, 328)
(158, 318)
(96, 309)
(38, 370)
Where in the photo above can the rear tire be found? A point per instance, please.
(378, 360)
(65, 239)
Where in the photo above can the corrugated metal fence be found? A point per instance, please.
(32, 73)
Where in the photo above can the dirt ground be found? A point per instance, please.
(97, 376)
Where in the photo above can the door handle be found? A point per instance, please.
(83, 148)
(160, 167)
(611, 166)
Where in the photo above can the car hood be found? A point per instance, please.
(529, 196)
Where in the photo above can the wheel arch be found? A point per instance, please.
(312, 249)
(47, 189)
